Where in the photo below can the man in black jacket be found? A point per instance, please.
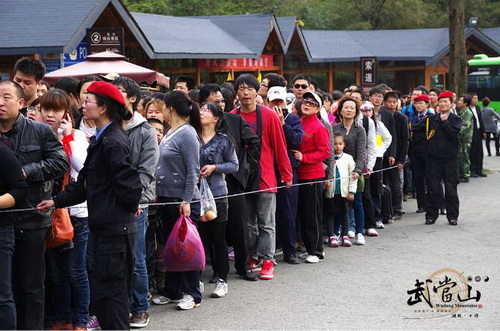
(478, 134)
(43, 159)
(247, 147)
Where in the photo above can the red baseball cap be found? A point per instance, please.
(422, 97)
(107, 91)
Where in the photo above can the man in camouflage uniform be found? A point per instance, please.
(465, 137)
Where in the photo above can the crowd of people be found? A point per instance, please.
(292, 170)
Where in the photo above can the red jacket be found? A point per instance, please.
(315, 148)
(273, 147)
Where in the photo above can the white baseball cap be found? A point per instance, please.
(276, 92)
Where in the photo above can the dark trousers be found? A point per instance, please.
(419, 171)
(368, 205)
(237, 226)
(439, 171)
(287, 200)
(7, 305)
(153, 220)
(111, 267)
(476, 153)
(213, 234)
(311, 215)
(29, 278)
(376, 190)
(489, 136)
(183, 282)
(393, 180)
(337, 218)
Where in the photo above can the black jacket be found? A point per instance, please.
(109, 183)
(293, 135)
(246, 145)
(11, 182)
(402, 136)
(478, 130)
(418, 140)
(442, 136)
(388, 120)
(43, 159)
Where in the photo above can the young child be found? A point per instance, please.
(340, 195)
(159, 127)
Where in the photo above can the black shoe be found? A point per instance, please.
(404, 198)
(291, 259)
(453, 222)
(464, 179)
(473, 175)
(429, 221)
(214, 278)
(248, 275)
(480, 174)
(443, 211)
(420, 210)
(398, 217)
(498, 154)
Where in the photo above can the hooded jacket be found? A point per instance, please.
(144, 154)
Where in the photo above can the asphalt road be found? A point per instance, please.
(365, 287)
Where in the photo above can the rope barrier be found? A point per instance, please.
(215, 198)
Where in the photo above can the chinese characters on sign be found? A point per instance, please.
(105, 39)
(445, 291)
(368, 71)
(265, 62)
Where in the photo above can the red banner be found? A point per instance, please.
(265, 62)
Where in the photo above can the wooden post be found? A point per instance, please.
(358, 73)
(280, 64)
(331, 75)
(458, 57)
(198, 73)
(427, 77)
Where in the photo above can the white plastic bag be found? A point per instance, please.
(208, 208)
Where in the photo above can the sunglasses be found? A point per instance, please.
(302, 86)
(309, 102)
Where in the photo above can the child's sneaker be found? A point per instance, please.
(360, 239)
(333, 241)
(346, 242)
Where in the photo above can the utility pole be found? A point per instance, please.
(458, 56)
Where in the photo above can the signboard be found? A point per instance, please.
(52, 62)
(368, 71)
(76, 56)
(265, 62)
(105, 39)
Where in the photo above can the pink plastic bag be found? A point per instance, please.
(184, 249)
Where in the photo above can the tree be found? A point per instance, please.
(458, 56)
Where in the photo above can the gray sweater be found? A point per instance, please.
(489, 116)
(179, 165)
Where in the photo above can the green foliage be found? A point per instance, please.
(332, 14)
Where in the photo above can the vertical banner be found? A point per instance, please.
(368, 71)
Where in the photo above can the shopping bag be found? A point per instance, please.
(61, 230)
(208, 208)
(184, 249)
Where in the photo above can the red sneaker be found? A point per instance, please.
(255, 266)
(267, 271)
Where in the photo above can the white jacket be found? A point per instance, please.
(383, 139)
(371, 156)
(348, 185)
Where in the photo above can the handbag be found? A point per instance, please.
(184, 250)
(208, 209)
(61, 231)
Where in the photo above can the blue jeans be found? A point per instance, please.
(80, 288)
(67, 270)
(140, 284)
(7, 305)
(357, 214)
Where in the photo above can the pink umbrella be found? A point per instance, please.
(104, 63)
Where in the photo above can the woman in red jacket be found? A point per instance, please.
(315, 148)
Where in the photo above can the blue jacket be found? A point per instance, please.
(293, 134)
(409, 111)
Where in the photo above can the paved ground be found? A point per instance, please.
(366, 287)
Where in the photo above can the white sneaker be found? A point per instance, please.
(220, 289)
(360, 239)
(312, 259)
(351, 234)
(161, 300)
(379, 225)
(202, 287)
(187, 303)
(372, 232)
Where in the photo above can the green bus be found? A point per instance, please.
(484, 78)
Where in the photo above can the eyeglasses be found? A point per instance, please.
(302, 86)
(86, 101)
(309, 102)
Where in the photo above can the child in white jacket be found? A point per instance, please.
(339, 194)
